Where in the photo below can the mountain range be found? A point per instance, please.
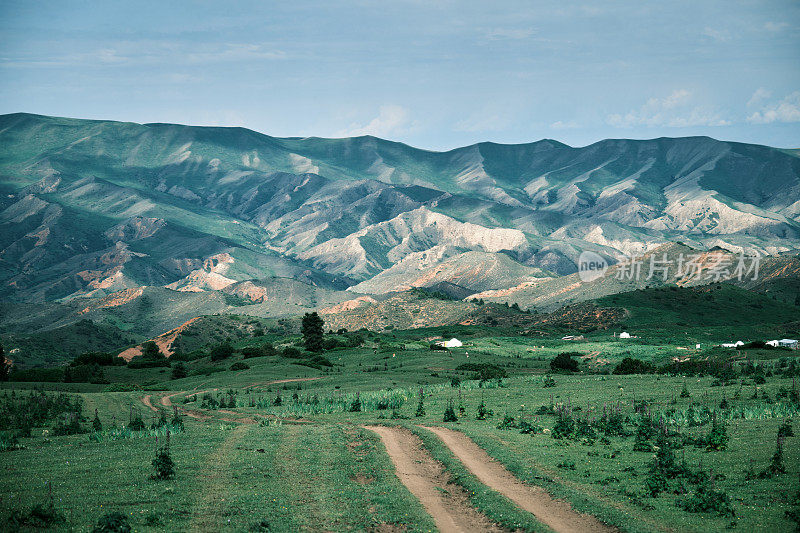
(94, 212)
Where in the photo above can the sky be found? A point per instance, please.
(435, 74)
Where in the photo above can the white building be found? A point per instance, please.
(788, 343)
(624, 335)
(452, 343)
(732, 344)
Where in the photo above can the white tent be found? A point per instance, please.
(453, 343)
(624, 335)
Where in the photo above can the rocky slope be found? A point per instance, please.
(95, 209)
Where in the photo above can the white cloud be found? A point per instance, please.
(785, 110)
(150, 52)
(717, 35)
(759, 96)
(564, 125)
(775, 27)
(496, 34)
(391, 120)
(675, 110)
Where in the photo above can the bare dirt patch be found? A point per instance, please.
(556, 514)
(447, 504)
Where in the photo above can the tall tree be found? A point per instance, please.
(313, 331)
(3, 365)
(150, 351)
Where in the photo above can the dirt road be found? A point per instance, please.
(556, 514)
(447, 504)
(148, 403)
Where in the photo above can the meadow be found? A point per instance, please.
(280, 443)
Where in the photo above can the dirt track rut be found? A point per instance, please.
(447, 504)
(556, 514)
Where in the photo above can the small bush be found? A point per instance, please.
(507, 423)
(165, 468)
(40, 516)
(708, 500)
(420, 408)
(179, 371)
(450, 413)
(564, 362)
(221, 351)
(116, 522)
(629, 365)
(566, 464)
(136, 424)
(355, 407)
(238, 365)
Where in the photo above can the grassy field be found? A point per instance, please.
(307, 463)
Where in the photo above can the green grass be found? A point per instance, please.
(327, 472)
(292, 476)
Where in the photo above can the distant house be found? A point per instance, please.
(572, 338)
(624, 335)
(732, 344)
(774, 343)
(452, 343)
(788, 343)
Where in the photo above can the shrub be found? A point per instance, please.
(786, 429)
(40, 516)
(136, 424)
(507, 423)
(238, 365)
(96, 424)
(221, 351)
(355, 407)
(116, 522)
(165, 468)
(644, 432)
(483, 371)
(526, 428)
(482, 411)
(565, 425)
(420, 408)
(450, 413)
(717, 438)
(776, 466)
(708, 500)
(292, 352)
(70, 426)
(179, 371)
(629, 365)
(564, 362)
(264, 350)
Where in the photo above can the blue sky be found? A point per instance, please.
(434, 74)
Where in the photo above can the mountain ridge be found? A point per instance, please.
(76, 195)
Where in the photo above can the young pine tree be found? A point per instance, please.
(420, 406)
(313, 332)
(450, 413)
